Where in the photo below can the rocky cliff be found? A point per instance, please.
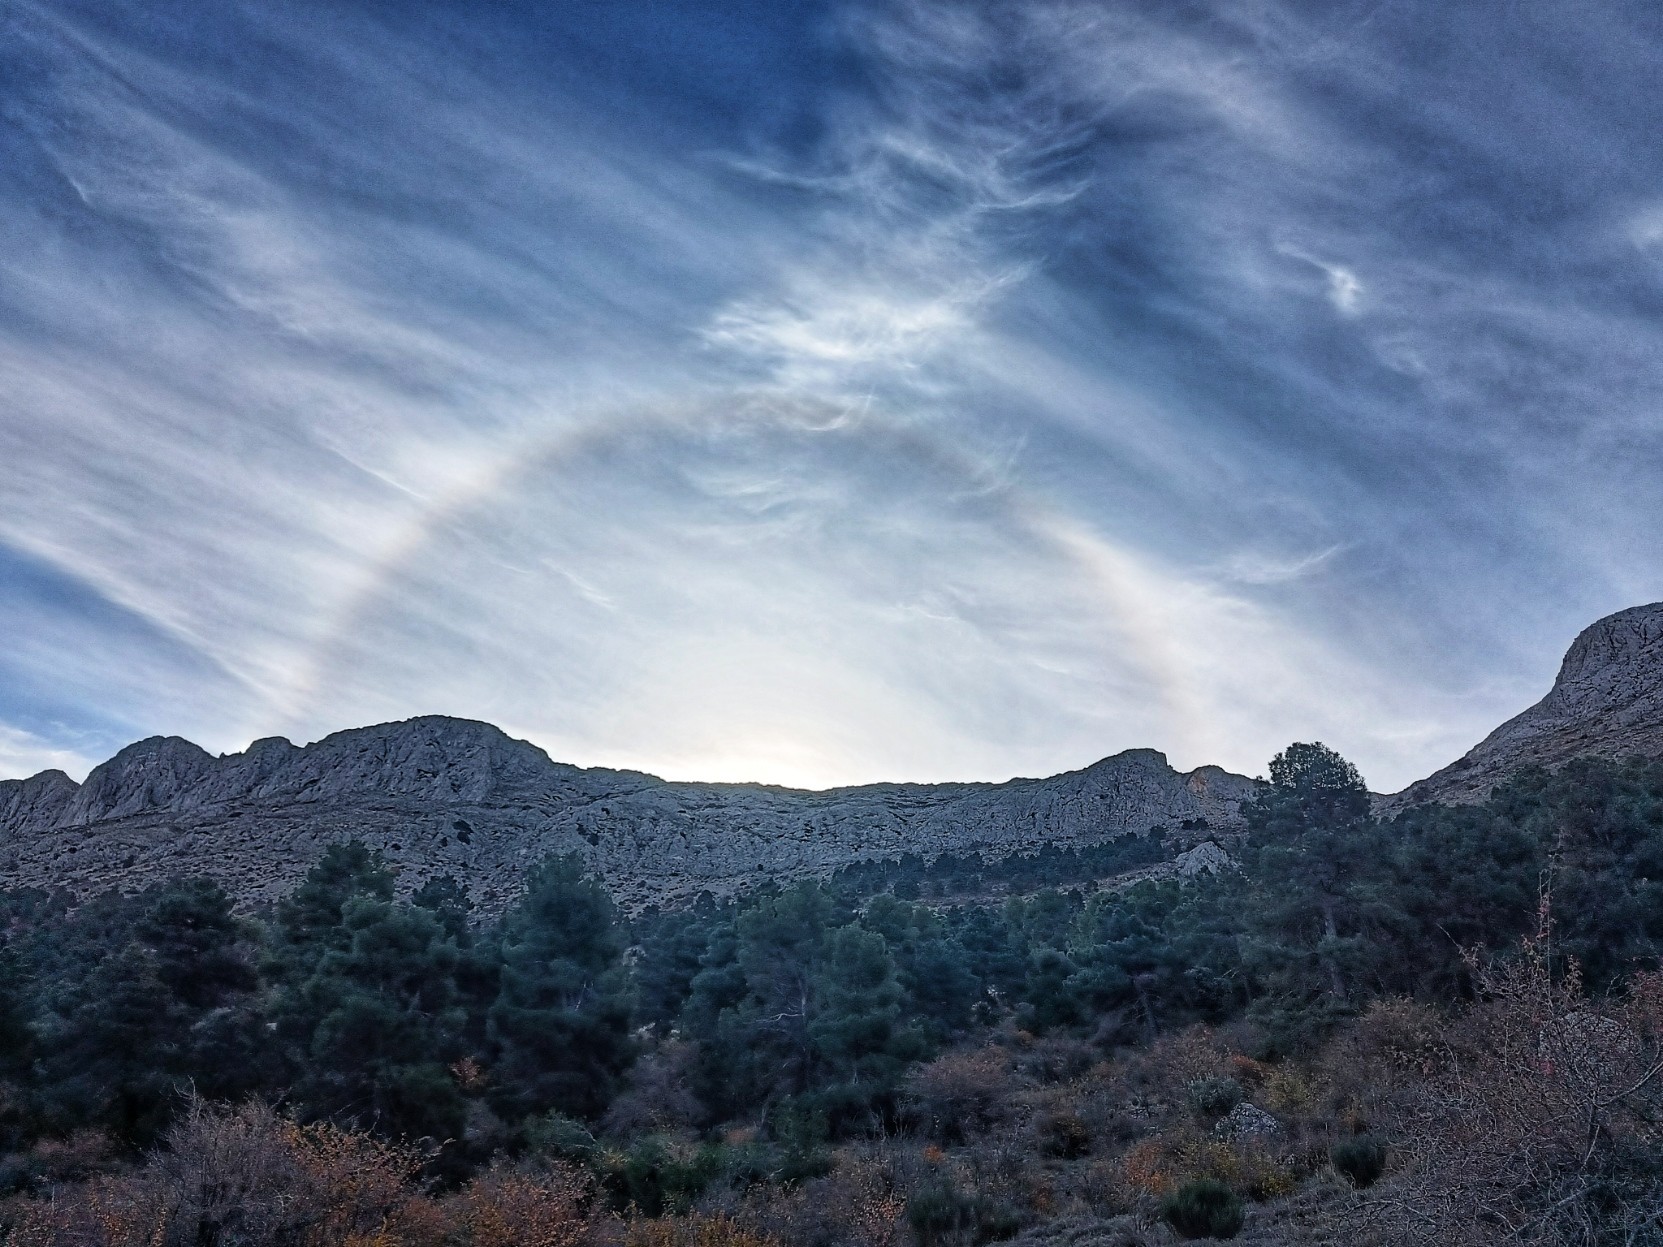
(1607, 702)
(440, 795)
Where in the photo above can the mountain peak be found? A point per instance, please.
(1606, 702)
(148, 774)
(1613, 647)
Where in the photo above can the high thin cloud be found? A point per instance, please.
(890, 391)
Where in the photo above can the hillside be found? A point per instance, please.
(1607, 702)
(449, 796)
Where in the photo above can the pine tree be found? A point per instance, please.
(384, 1022)
(857, 1025)
(560, 1022)
(1317, 858)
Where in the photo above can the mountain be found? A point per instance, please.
(451, 796)
(1607, 703)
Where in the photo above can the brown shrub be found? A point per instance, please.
(1393, 1044)
(245, 1175)
(1054, 1058)
(1545, 1125)
(1062, 1133)
(859, 1204)
(103, 1212)
(354, 1184)
(1156, 1167)
(81, 1155)
(1289, 1091)
(507, 1207)
(225, 1173)
(1176, 1060)
(963, 1093)
(695, 1230)
(1147, 1169)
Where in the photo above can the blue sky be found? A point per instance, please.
(821, 393)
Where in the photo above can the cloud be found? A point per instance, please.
(24, 754)
(1255, 567)
(949, 391)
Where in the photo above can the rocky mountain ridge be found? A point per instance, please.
(440, 795)
(450, 796)
(1607, 702)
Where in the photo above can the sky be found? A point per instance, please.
(820, 393)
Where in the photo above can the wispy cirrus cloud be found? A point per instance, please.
(901, 391)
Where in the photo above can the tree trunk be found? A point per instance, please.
(1336, 981)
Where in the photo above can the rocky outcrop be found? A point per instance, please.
(154, 774)
(450, 796)
(39, 801)
(1606, 703)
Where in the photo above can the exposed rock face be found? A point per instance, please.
(1206, 858)
(38, 801)
(441, 795)
(1247, 1121)
(1607, 702)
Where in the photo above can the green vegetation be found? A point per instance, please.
(927, 1044)
(1361, 1159)
(1204, 1208)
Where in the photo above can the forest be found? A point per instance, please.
(1441, 1027)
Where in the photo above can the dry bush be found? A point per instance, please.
(1148, 1169)
(1247, 1071)
(695, 1230)
(1394, 1047)
(1176, 1060)
(1112, 1121)
(861, 1203)
(1061, 1133)
(1156, 1167)
(103, 1212)
(232, 1172)
(1052, 1058)
(1394, 1040)
(246, 1176)
(964, 1093)
(355, 1184)
(241, 1175)
(1545, 1126)
(656, 1097)
(81, 1155)
(1290, 1092)
(226, 1175)
(1115, 1101)
(507, 1207)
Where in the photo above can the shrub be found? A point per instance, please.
(558, 1137)
(1055, 1058)
(1214, 1097)
(1362, 1159)
(236, 1174)
(858, 1205)
(1147, 1168)
(1177, 1059)
(1260, 1176)
(1204, 1209)
(694, 1230)
(941, 1214)
(505, 1207)
(657, 1175)
(799, 1151)
(961, 1094)
(1063, 1135)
